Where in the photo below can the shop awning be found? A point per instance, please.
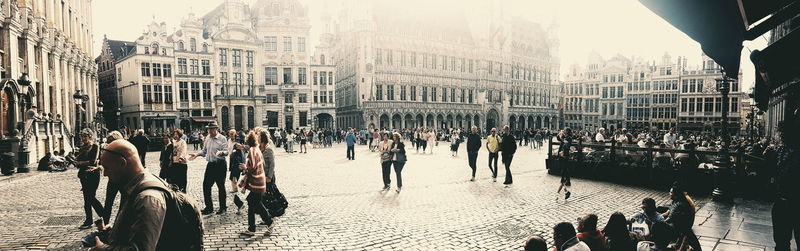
(720, 26)
(204, 119)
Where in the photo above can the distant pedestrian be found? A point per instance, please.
(473, 146)
(214, 150)
(165, 158)
(399, 158)
(431, 139)
(236, 155)
(303, 140)
(142, 144)
(455, 142)
(493, 147)
(178, 163)
(350, 138)
(508, 147)
(385, 147)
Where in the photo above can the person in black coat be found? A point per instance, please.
(141, 142)
(165, 159)
(508, 146)
(473, 146)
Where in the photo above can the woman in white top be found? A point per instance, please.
(431, 139)
(385, 147)
(179, 157)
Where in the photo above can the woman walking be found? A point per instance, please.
(255, 181)
(455, 141)
(303, 140)
(399, 159)
(89, 175)
(178, 167)
(431, 140)
(385, 147)
(565, 137)
(237, 157)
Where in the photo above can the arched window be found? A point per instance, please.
(180, 45)
(322, 59)
(205, 47)
(193, 44)
(155, 48)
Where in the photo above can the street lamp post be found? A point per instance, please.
(119, 120)
(79, 98)
(724, 163)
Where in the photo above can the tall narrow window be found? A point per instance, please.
(378, 92)
(206, 67)
(223, 57)
(330, 78)
(271, 44)
(301, 76)
(167, 70)
(287, 44)
(301, 44)
(271, 75)
(193, 44)
(314, 78)
(287, 75)
(156, 70)
(183, 91)
(206, 91)
(182, 69)
(249, 56)
(195, 91)
(193, 67)
(237, 58)
(145, 69)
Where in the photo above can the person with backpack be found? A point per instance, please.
(153, 217)
(642, 223)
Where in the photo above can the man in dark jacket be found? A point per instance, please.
(141, 142)
(508, 147)
(473, 145)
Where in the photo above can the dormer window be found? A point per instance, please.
(205, 47)
(193, 44)
(155, 48)
(147, 50)
(180, 45)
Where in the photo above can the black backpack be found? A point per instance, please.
(183, 219)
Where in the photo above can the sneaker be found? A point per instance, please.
(507, 183)
(247, 233)
(86, 225)
(207, 210)
(566, 195)
(385, 187)
(473, 179)
(494, 179)
(222, 210)
(239, 211)
(398, 190)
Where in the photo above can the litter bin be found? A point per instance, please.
(7, 164)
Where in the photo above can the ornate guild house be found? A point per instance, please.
(438, 69)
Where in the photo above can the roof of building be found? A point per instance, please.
(120, 49)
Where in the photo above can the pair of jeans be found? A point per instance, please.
(111, 194)
(386, 167)
(290, 147)
(493, 159)
(177, 175)
(785, 223)
(215, 174)
(255, 206)
(89, 183)
(473, 158)
(398, 169)
(351, 152)
(507, 162)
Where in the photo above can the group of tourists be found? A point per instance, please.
(653, 229)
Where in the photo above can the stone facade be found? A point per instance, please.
(395, 71)
(632, 93)
(47, 57)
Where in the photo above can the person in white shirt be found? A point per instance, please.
(599, 137)
(669, 138)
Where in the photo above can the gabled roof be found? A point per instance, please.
(120, 49)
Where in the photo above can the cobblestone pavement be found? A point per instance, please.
(336, 203)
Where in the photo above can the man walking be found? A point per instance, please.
(141, 142)
(508, 147)
(493, 146)
(351, 144)
(215, 148)
(473, 145)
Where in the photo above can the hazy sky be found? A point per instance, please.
(607, 27)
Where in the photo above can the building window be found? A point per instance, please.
(316, 97)
(182, 66)
(207, 91)
(378, 92)
(433, 94)
(249, 84)
(470, 96)
(183, 91)
(287, 75)
(605, 92)
(301, 44)
(206, 67)
(156, 70)
(237, 58)
(620, 92)
(302, 98)
(287, 44)
(168, 94)
(180, 45)
(378, 56)
(330, 78)
(272, 98)
(288, 98)
(413, 93)
(462, 98)
(323, 99)
(147, 94)
(271, 44)
(223, 78)
(249, 59)
(734, 104)
(303, 119)
(145, 69)
(193, 67)
(195, 91)
(330, 97)
(158, 96)
(452, 95)
(402, 92)
(271, 75)
(205, 47)
(167, 70)
(389, 92)
(424, 94)
(193, 44)
(314, 78)
(301, 76)
(223, 57)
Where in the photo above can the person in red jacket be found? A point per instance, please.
(589, 234)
